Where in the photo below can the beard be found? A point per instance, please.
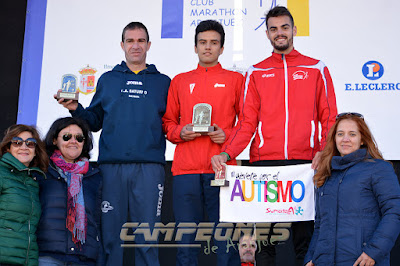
(284, 46)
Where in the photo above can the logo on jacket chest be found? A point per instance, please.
(216, 85)
(300, 75)
(191, 87)
(134, 82)
(268, 75)
(134, 89)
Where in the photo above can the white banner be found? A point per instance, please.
(268, 194)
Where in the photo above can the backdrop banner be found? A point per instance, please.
(268, 194)
(82, 38)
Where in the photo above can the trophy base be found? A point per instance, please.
(201, 129)
(68, 95)
(219, 183)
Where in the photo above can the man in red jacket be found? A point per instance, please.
(191, 167)
(285, 98)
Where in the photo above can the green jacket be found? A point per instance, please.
(19, 212)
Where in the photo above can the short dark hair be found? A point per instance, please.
(135, 25)
(62, 123)
(207, 25)
(278, 11)
(41, 160)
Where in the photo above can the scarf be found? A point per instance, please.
(76, 216)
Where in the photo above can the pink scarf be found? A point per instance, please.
(76, 215)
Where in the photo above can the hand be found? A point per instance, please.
(71, 105)
(316, 160)
(188, 135)
(217, 161)
(364, 260)
(217, 136)
(310, 263)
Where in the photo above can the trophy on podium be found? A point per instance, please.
(68, 88)
(201, 118)
(220, 178)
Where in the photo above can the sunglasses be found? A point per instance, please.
(350, 114)
(30, 142)
(79, 137)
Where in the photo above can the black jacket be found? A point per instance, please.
(53, 238)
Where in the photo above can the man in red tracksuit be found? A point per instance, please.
(285, 98)
(191, 167)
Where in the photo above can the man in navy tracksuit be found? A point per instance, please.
(128, 105)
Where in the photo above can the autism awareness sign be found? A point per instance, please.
(268, 194)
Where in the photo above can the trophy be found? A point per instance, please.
(201, 118)
(220, 180)
(68, 88)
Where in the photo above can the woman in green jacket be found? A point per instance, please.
(23, 156)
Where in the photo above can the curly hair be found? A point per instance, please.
(41, 159)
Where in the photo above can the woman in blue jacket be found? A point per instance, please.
(69, 227)
(357, 199)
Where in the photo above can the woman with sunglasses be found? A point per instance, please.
(357, 199)
(23, 159)
(69, 228)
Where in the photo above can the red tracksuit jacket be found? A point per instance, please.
(284, 99)
(214, 85)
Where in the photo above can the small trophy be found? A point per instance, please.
(220, 180)
(202, 118)
(68, 88)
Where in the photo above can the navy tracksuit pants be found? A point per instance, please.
(131, 193)
(192, 194)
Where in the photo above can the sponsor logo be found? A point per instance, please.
(290, 211)
(191, 86)
(106, 206)
(372, 86)
(300, 75)
(268, 75)
(160, 196)
(134, 82)
(372, 70)
(217, 85)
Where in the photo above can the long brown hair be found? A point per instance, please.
(330, 150)
(41, 160)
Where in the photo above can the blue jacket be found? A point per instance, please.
(357, 210)
(53, 238)
(129, 107)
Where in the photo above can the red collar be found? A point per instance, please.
(247, 264)
(215, 68)
(289, 56)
